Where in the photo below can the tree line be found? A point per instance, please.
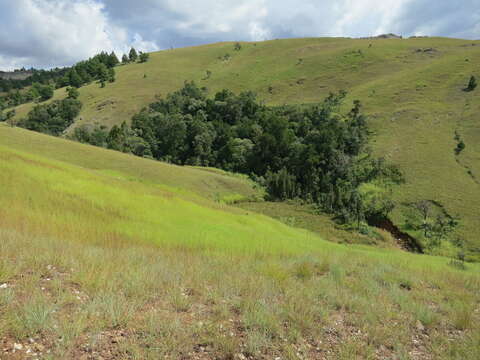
(38, 76)
(42, 83)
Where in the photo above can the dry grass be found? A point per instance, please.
(96, 264)
(73, 300)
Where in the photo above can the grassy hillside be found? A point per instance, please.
(412, 90)
(216, 185)
(104, 255)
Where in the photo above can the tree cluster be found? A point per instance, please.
(133, 56)
(433, 226)
(52, 118)
(38, 76)
(315, 153)
(37, 92)
(99, 68)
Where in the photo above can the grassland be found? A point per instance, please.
(104, 256)
(411, 89)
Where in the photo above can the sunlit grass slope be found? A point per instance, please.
(213, 185)
(101, 200)
(103, 256)
(411, 88)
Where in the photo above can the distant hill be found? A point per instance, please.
(412, 90)
(15, 75)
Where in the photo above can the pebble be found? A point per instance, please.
(420, 326)
(3, 286)
(17, 346)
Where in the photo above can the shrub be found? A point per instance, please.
(472, 84)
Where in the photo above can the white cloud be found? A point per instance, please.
(59, 32)
(213, 17)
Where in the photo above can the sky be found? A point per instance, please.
(50, 33)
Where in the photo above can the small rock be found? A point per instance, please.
(39, 347)
(420, 326)
(17, 346)
(3, 286)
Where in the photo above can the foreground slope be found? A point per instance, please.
(103, 256)
(411, 88)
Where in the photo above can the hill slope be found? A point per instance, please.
(104, 255)
(412, 90)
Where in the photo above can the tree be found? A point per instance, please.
(113, 60)
(74, 79)
(45, 92)
(441, 229)
(144, 57)
(125, 59)
(73, 93)
(133, 55)
(424, 208)
(111, 75)
(460, 147)
(472, 84)
(237, 46)
(103, 74)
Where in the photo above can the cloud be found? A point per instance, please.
(61, 32)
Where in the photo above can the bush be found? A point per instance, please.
(472, 84)
(143, 58)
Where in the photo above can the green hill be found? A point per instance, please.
(107, 255)
(411, 88)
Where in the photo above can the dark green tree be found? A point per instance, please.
(133, 55)
(74, 79)
(111, 75)
(143, 58)
(125, 59)
(472, 84)
(113, 60)
(45, 92)
(73, 93)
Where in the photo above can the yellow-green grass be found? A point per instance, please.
(414, 99)
(121, 166)
(101, 261)
(304, 216)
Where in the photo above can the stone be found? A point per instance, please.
(420, 326)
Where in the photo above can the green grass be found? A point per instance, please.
(299, 215)
(121, 166)
(101, 255)
(414, 99)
